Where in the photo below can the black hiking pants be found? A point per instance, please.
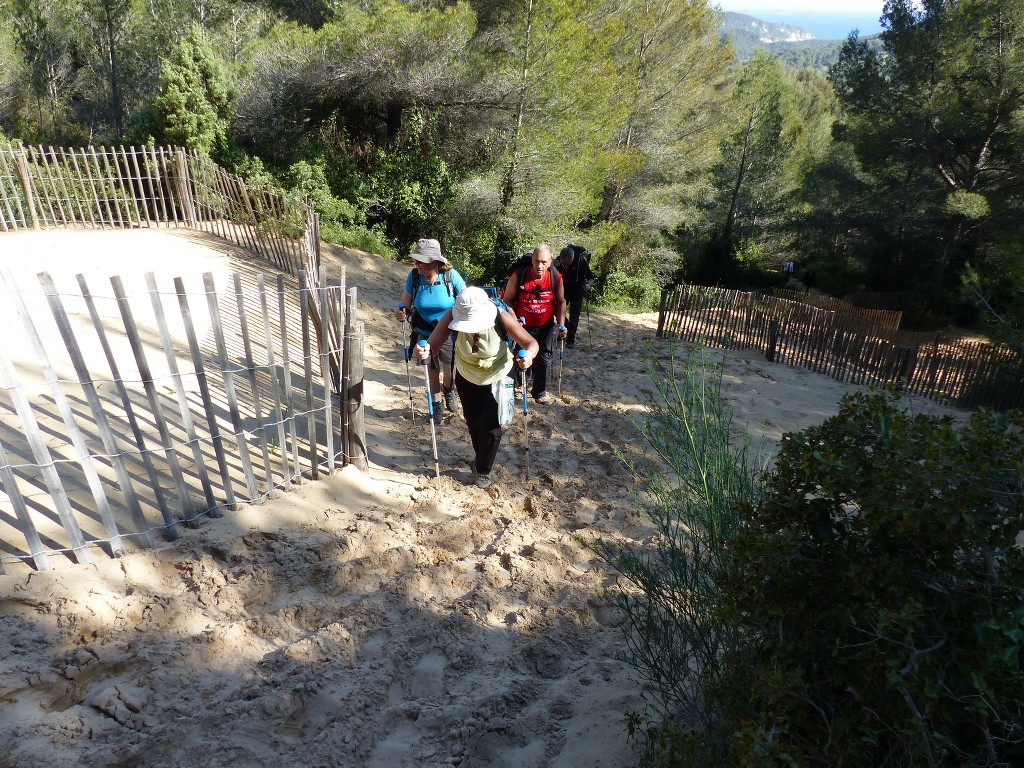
(575, 302)
(545, 337)
(480, 410)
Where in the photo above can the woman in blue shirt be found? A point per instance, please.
(430, 291)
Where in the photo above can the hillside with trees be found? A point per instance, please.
(633, 128)
(791, 45)
(857, 599)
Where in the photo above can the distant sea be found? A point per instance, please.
(827, 27)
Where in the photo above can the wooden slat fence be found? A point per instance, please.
(884, 317)
(242, 409)
(118, 187)
(894, 301)
(141, 413)
(848, 348)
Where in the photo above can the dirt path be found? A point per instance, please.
(370, 619)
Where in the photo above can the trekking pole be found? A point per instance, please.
(590, 339)
(430, 415)
(526, 420)
(561, 354)
(408, 370)
(522, 322)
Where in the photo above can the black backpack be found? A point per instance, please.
(581, 254)
(445, 278)
(524, 263)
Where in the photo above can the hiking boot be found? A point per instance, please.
(482, 481)
(438, 412)
(451, 400)
(570, 345)
(542, 398)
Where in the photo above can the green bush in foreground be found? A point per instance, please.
(678, 632)
(862, 605)
(879, 585)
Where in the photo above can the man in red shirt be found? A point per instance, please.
(536, 295)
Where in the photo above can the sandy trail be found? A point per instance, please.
(370, 619)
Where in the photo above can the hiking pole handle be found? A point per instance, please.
(421, 344)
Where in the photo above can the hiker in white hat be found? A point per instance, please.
(483, 360)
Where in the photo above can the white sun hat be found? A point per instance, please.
(473, 311)
(428, 250)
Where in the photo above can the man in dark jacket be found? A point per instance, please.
(578, 280)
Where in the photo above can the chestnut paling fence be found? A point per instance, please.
(885, 317)
(849, 347)
(137, 410)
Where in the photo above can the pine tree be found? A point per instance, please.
(196, 96)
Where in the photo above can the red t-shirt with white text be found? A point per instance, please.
(535, 299)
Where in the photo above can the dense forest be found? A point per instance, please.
(629, 127)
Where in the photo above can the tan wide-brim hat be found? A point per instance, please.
(428, 250)
(473, 311)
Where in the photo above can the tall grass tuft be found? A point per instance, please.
(697, 478)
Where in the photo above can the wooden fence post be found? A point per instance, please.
(216, 438)
(183, 180)
(307, 306)
(773, 339)
(357, 453)
(286, 375)
(27, 187)
(228, 377)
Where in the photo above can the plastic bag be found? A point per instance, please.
(503, 391)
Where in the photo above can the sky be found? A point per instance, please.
(791, 7)
(825, 19)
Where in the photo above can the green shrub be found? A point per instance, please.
(696, 483)
(411, 185)
(881, 596)
(861, 605)
(310, 180)
(369, 239)
(196, 99)
(638, 291)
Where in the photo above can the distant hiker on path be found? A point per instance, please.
(430, 290)
(809, 280)
(577, 280)
(535, 294)
(482, 361)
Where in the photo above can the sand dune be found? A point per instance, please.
(371, 619)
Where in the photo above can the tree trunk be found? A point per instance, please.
(115, 93)
(503, 242)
